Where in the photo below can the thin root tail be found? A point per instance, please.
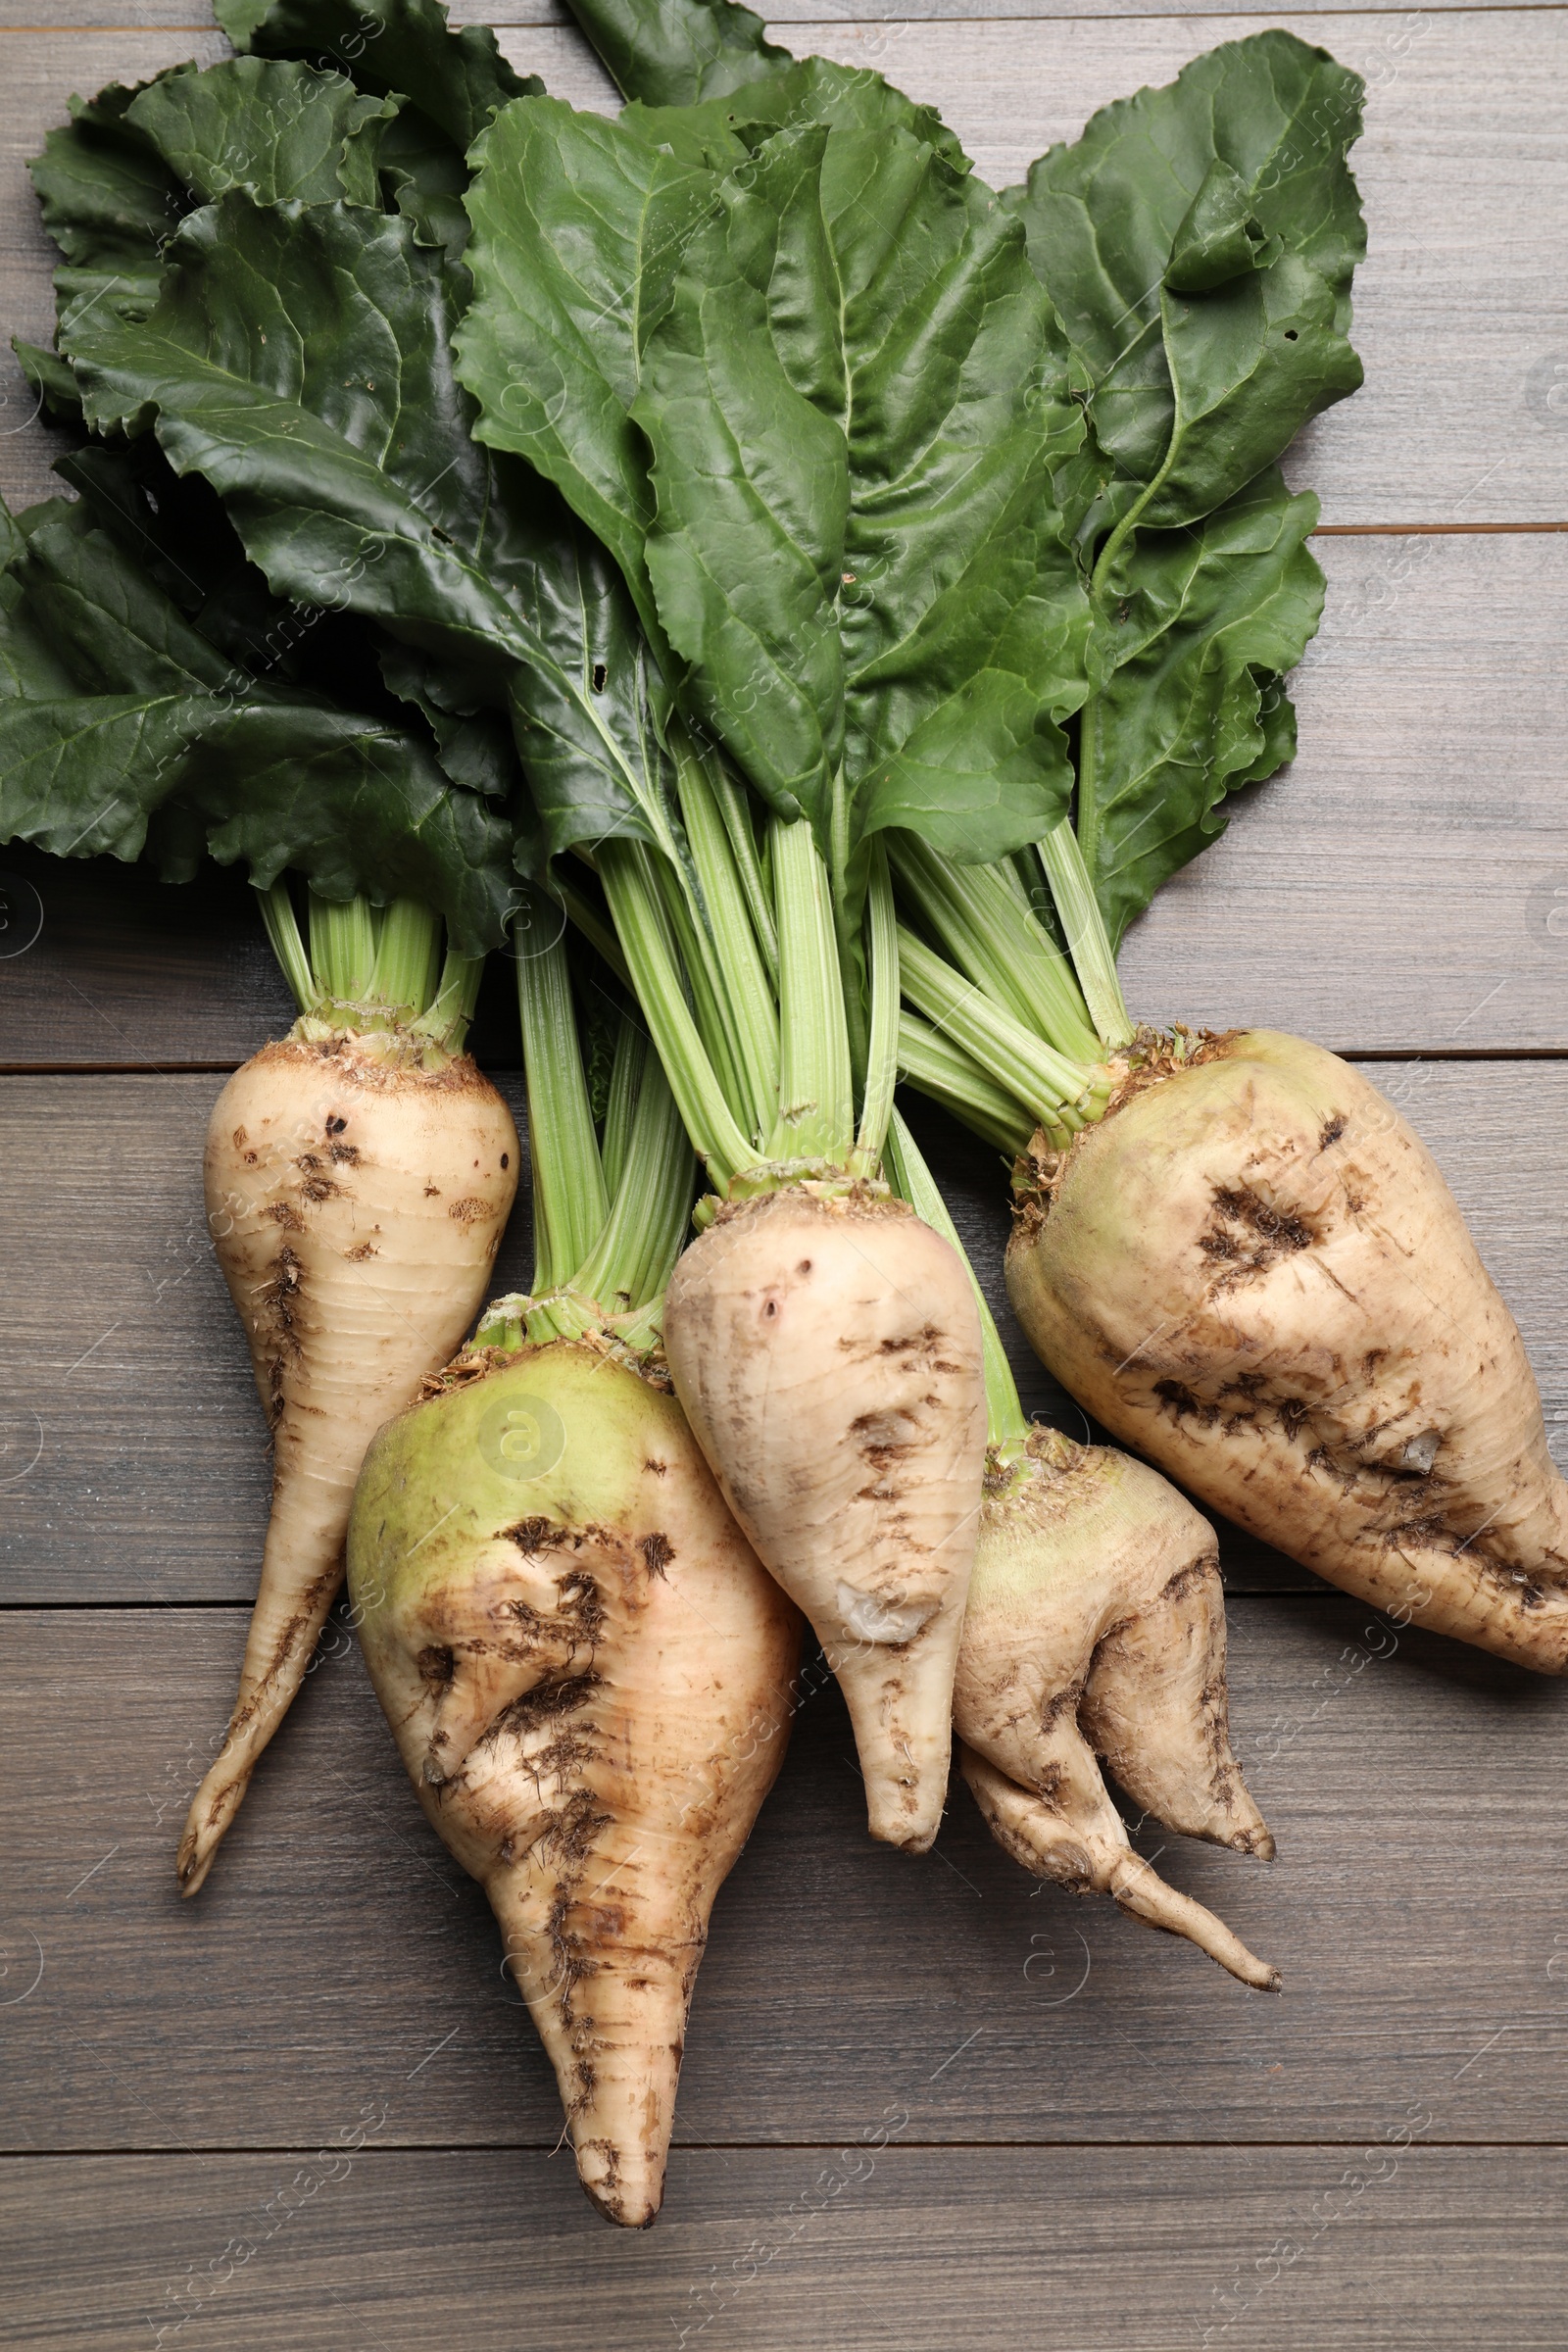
(1140, 1891)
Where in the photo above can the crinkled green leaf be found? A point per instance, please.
(474, 744)
(1197, 390)
(109, 203)
(449, 85)
(275, 127)
(578, 224)
(851, 405)
(113, 710)
(676, 52)
(1220, 237)
(51, 378)
(299, 360)
(176, 532)
(795, 93)
(1196, 629)
(402, 47)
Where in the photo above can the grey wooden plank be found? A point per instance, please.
(1460, 307)
(337, 1955)
(1405, 882)
(134, 1460)
(133, 1449)
(793, 22)
(1402, 887)
(104, 966)
(898, 2250)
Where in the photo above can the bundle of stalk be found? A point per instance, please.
(1230, 1248)
(872, 620)
(775, 487)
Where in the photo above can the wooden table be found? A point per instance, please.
(1092, 2139)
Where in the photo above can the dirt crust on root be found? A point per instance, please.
(1257, 1277)
(1153, 1055)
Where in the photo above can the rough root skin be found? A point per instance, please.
(587, 1673)
(828, 1353)
(331, 1175)
(1096, 1627)
(1254, 1274)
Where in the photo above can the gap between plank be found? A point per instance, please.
(506, 1070)
(1433, 530)
(1344, 8)
(734, 2147)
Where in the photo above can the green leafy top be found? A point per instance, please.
(152, 693)
(678, 52)
(1198, 243)
(844, 371)
(109, 203)
(456, 80)
(275, 127)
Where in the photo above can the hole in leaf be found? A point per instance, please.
(1289, 335)
(600, 675)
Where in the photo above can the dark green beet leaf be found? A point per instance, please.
(273, 126)
(852, 407)
(113, 711)
(1199, 379)
(677, 52)
(1193, 631)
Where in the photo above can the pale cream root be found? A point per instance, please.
(1096, 1627)
(357, 1209)
(1253, 1272)
(588, 1673)
(1037, 1835)
(828, 1353)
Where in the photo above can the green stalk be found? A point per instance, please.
(935, 1067)
(1007, 1427)
(371, 970)
(752, 1027)
(343, 947)
(625, 1079)
(640, 926)
(1093, 959)
(282, 926)
(569, 1202)
(975, 912)
(735, 810)
(1004, 1049)
(704, 985)
(882, 1044)
(816, 1107)
(847, 937)
(589, 919)
(445, 1019)
(631, 1262)
(407, 953)
(617, 1285)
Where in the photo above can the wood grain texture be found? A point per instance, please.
(125, 971)
(1417, 1792)
(794, 22)
(135, 1455)
(1402, 887)
(1460, 308)
(918, 2250)
(1405, 882)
